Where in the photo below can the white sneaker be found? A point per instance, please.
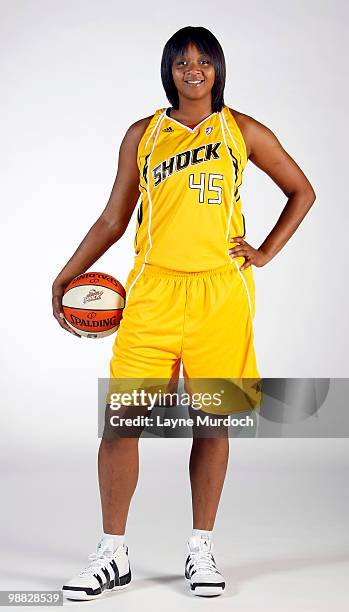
(201, 570)
(108, 571)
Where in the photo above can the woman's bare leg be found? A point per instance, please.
(118, 468)
(207, 467)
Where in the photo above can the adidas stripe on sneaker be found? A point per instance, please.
(108, 571)
(201, 570)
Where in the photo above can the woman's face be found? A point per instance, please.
(193, 74)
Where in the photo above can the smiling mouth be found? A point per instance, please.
(195, 83)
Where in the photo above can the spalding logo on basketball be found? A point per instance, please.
(93, 303)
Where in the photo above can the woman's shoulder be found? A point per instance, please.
(239, 124)
(137, 129)
(242, 118)
(250, 128)
(243, 121)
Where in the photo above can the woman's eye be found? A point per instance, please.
(184, 62)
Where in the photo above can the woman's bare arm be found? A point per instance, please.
(112, 222)
(266, 152)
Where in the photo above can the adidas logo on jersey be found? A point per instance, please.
(168, 129)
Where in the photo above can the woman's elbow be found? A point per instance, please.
(311, 196)
(307, 195)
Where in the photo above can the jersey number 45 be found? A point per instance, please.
(207, 185)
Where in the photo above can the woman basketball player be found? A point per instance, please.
(190, 294)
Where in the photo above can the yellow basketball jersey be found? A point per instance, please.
(189, 183)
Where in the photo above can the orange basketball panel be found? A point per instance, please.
(92, 320)
(97, 278)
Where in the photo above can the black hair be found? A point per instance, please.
(207, 43)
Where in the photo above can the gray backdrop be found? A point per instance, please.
(74, 76)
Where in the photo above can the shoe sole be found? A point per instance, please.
(206, 591)
(82, 596)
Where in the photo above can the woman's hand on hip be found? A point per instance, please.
(251, 255)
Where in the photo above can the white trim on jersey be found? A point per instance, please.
(158, 125)
(233, 182)
(231, 136)
(246, 287)
(192, 130)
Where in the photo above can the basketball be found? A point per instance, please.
(93, 303)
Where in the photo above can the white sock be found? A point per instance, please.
(111, 541)
(202, 533)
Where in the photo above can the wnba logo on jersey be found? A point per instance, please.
(182, 160)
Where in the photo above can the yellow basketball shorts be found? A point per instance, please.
(204, 319)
